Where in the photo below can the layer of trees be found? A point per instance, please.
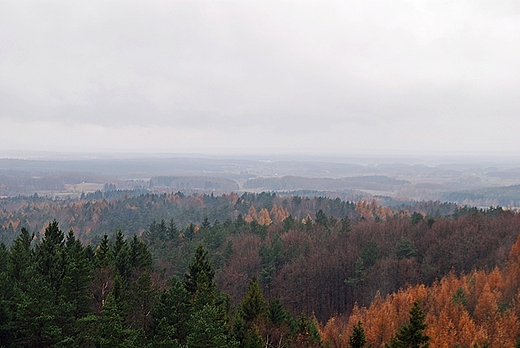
(59, 293)
(23, 182)
(504, 196)
(270, 270)
(97, 213)
(194, 182)
(325, 265)
(478, 309)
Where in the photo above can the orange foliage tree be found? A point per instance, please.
(467, 310)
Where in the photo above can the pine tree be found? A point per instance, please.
(189, 232)
(357, 339)
(277, 313)
(208, 323)
(307, 331)
(253, 304)
(121, 256)
(198, 281)
(321, 219)
(164, 335)
(412, 335)
(45, 314)
(7, 300)
(208, 330)
(50, 256)
(173, 231)
(119, 243)
(17, 284)
(103, 253)
(205, 224)
(172, 313)
(103, 275)
(113, 331)
(345, 224)
(21, 256)
(35, 323)
(140, 299)
(140, 256)
(253, 339)
(74, 302)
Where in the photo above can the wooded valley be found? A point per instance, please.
(255, 270)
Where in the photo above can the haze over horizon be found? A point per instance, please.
(339, 78)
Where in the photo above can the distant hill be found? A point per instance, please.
(505, 196)
(194, 182)
(369, 182)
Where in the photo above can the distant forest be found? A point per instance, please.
(475, 184)
(256, 269)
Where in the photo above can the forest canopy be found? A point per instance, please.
(255, 270)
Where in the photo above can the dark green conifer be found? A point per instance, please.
(321, 219)
(113, 329)
(140, 256)
(307, 330)
(357, 339)
(21, 256)
(412, 334)
(141, 302)
(50, 256)
(7, 300)
(103, 253)
(199, 278)
(173, 311)
(208, 330)
(253, 304)
(345, 224)
(121, 256)
(75, 302)
(277, 313)
(205, 224)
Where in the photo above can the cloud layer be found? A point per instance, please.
(334, 77)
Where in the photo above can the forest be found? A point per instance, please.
(256, 270)
(471, 181)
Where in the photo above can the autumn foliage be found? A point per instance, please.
(473, 310)
(341, 263)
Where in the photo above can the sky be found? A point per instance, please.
(250, 77)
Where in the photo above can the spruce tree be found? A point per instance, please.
(357, 339)
(208, 330)
(253, 304)
(198, 281)
(103, 254)
(50, 256)
(121, 255)
(276, 313)
(35, 323)
(21, 256)
(140, 256)
(412, 335)
(172, 313)
(113, 331)
(307, 331)
(7, 300)
(209, 321)
(74, 301)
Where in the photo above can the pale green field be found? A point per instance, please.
(73, 190)
(83, 187)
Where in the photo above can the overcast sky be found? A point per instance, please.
(237, 77)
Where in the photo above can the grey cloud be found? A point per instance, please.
(277, 66)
